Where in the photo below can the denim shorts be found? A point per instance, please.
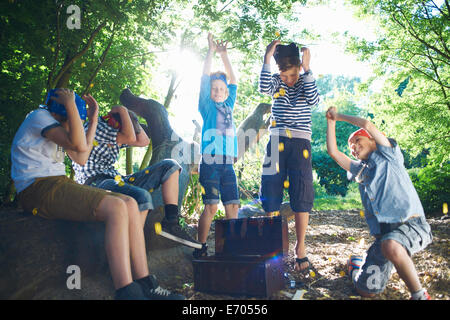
(287, 164)
(218, 179)
(141, 184)
(414, 236)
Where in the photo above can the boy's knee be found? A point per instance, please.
(113, 208)
(211, 208)
(392, 250)
(365, 294)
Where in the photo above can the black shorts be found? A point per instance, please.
(287, 164)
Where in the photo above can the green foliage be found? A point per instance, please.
(192, 201)
(330, 175)
(412, 41)
(431, 184)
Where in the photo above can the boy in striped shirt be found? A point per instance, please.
(287, 163)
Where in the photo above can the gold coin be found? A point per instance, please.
(158, 228)
(282, 91)
(131, 179)
(34, 211)
(281, 147)
(274, 123)
(95, 143)
(361, 213)
(305, 154)
(203, 190)
(286, 184)
(445, 208)
(276, 95)
(277, 166)
(312, 274)
(146, 171)
(118, 178)
(342, 273)
(288, 133)
(121, 184)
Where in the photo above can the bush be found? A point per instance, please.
(431, 183)
(331, 176)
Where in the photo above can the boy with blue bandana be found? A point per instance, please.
(219, 142)
(392, 207)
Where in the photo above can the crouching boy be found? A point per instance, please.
(392, 207)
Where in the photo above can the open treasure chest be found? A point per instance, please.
(248, 257)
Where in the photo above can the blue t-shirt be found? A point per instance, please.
(218, 131)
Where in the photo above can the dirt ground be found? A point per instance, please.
(333, 236)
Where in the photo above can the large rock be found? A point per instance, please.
(35, 254)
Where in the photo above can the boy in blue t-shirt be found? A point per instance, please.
(219, 142)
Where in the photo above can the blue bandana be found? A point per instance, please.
(219, 77)
(60, 109)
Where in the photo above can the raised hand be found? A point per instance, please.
(306, 58)
(64, 96)
(92, 111)
(331, 113)
(270, 50)
(211, 44)
(221, 46)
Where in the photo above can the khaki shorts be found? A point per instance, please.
(62, 198)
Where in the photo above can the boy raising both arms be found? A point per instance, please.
(392, 207)
(287, 162)
(219, 142)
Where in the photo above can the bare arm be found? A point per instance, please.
(92, 112)
(343, 160)
(270, 50)
(208, 60)
(126, 134)
(222, 50)
(72, 139)
(379, 137)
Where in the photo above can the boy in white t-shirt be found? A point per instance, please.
(38, 172)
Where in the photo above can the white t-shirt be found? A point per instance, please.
(33, 155)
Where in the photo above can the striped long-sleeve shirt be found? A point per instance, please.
(291, 107)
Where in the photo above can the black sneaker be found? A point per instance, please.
(153, 291)
(174, 228)
(133, 291)
(203, 252)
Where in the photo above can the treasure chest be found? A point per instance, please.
(260, 236)
(247, 260)
(239, 275)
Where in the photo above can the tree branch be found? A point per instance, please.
(413, 33)
(439, 34)
(58, 48)
(102, 60)
(68, 64)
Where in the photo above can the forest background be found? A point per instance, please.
(156, 49)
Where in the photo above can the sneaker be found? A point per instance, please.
(203, 252)
(153, 291)
(354, 263)
(133, 291)
(423, 296)
(174, 228)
